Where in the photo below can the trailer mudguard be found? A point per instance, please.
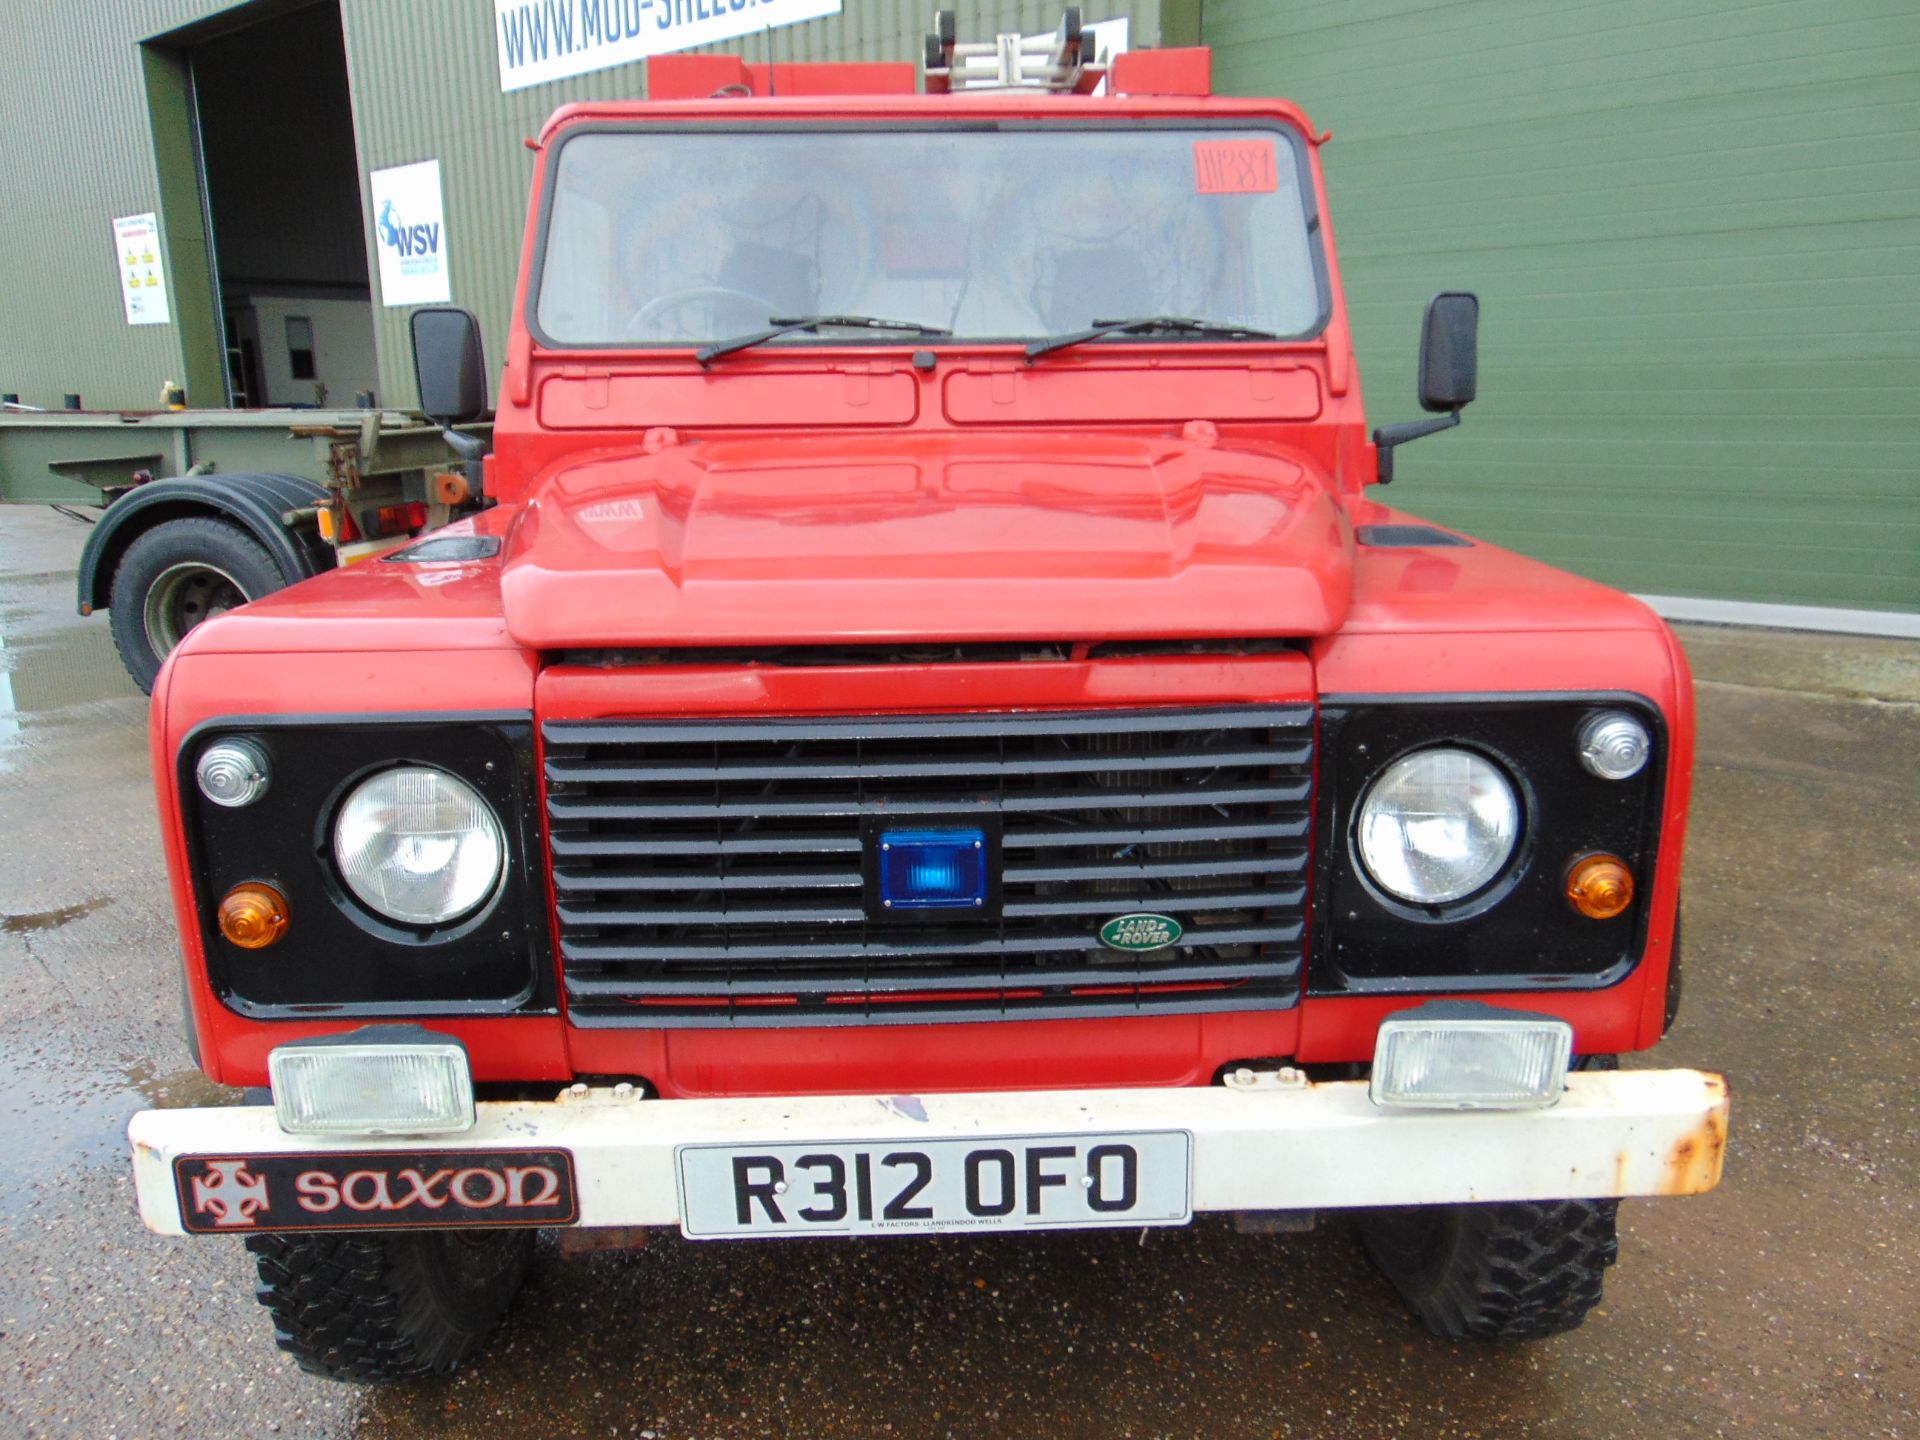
(254, 502)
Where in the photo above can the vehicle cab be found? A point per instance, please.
(937, 730)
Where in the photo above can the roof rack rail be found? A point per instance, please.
(1065, 62)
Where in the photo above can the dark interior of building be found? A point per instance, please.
(282, 187)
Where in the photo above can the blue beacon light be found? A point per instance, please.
(933, 869)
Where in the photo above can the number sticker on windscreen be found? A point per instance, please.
(1234, 167)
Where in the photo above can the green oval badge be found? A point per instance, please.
(1135, 933)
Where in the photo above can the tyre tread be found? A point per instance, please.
(189, 536)
(365, 1309)
(1517, 1271)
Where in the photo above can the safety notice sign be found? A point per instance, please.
(143, 285)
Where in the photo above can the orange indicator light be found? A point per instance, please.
(253, 916)
(1600, 886)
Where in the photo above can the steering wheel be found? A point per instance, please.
(711, 295)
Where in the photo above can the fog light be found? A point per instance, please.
(253, 916)
(1600, 886)
(356, 1086)
(232, 773)
(1462, 1055)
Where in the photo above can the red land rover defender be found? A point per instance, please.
(933, 731)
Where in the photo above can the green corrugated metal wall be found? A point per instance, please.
(425, 85)
(1695, 230)
(74, 109)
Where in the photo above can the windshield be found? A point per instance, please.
(686, 237)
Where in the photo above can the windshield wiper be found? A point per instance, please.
(1142, 324)
(779, 325)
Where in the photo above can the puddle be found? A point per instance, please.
(45, 674)
(62, 1116)
(50, 919)
(73, 665)
(178, 1089)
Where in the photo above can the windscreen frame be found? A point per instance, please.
(1307, 190)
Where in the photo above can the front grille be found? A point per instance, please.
(711, 872)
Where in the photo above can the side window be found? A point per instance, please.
(300, 347)
(581, 292)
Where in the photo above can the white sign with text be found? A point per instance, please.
(541, 40)
(410, 232)
(143, 285)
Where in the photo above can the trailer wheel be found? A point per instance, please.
(177, 575)
(1519, 1271)
(388, 1307)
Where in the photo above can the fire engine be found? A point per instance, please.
(936, 729)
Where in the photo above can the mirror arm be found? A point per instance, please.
(471, 449)
(1388, 436)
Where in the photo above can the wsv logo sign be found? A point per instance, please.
(410, 241)
(409, 234)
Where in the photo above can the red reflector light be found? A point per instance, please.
(1169, 987)
(917, 997)
(400, 519)
(898, 997)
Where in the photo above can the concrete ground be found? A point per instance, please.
(1785, 1303)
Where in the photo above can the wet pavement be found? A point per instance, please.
(1784, 1304)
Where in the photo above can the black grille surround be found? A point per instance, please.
(710, 872)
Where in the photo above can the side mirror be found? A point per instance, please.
(448, 364)
(1449, 372)
(1449, 351)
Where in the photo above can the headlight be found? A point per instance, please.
(1437, 825)
(418, 846)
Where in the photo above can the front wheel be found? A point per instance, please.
(176, 576)
(1517, 1271)
(388, 1307)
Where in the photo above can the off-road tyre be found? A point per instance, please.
(1675, 983)
(1516, 1271)
(235, 564)
(387, 1307)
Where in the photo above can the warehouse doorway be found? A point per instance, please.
(276, 185)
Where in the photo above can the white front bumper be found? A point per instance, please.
(1269, 1147)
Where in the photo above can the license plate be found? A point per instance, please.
(1029, 1182)
(370, 1190)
